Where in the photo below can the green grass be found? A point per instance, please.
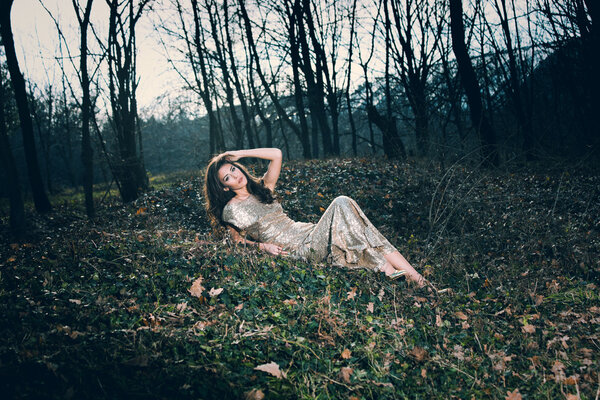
(103, 309)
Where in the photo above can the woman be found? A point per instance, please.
(344, 236)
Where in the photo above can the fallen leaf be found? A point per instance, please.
(571, 380)
(558, 368)
(75, 301)
(380, 295)
(461, 315)
(215, 292)
(438, 321)
(346, 354)
(528, 328)
(515, 395)
(418, 353)
(423, 373)
(370, 307)
(197, 289)
(255, 394)
(345, 373)
(351, 293)
(271, 368)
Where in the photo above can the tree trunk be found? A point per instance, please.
(40, 199)
(295, 58)
(236, 80)
(17, 210)
(220, 58)
(87, 153)
(471, 86)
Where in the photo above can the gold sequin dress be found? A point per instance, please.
(344, 236)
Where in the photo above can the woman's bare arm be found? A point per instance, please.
(274, 155)
(270, 248)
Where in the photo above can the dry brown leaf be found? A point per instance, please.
(558, 368)
(461, 315)
(215, 292)
(572, 396)
(423, 373)
(418, 353)
(380, 294)
(528, 328)
(345, 373)
(370, 307)
(351, 293)
(514, 395)
(271, 368)
(346, 354)
(197, 289)
(255, 394)
(571, 380)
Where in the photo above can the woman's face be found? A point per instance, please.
(232, 177)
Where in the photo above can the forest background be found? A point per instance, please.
(445, 119)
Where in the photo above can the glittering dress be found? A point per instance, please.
(344, 236)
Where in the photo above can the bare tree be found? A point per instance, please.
(392, 144)
(17, 210)
(352, 18)
(83, 17)
(122, 87)
(304, 141)
(471, 86)
(250, 133)
(40, 199)
(418, 35)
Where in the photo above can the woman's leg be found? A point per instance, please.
(400, 263)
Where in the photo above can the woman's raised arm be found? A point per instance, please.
(274, 155)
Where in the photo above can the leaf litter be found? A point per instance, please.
(145, 302)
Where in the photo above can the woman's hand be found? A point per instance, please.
(233, 155)
(273, 249)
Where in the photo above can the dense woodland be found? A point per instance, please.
(468, 131)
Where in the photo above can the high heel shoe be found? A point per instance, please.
(396, 275)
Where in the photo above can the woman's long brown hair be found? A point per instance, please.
(216, 197)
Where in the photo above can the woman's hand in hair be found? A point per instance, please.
(233, 155)
(273, 249)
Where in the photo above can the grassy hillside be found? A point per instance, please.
(145, 303)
